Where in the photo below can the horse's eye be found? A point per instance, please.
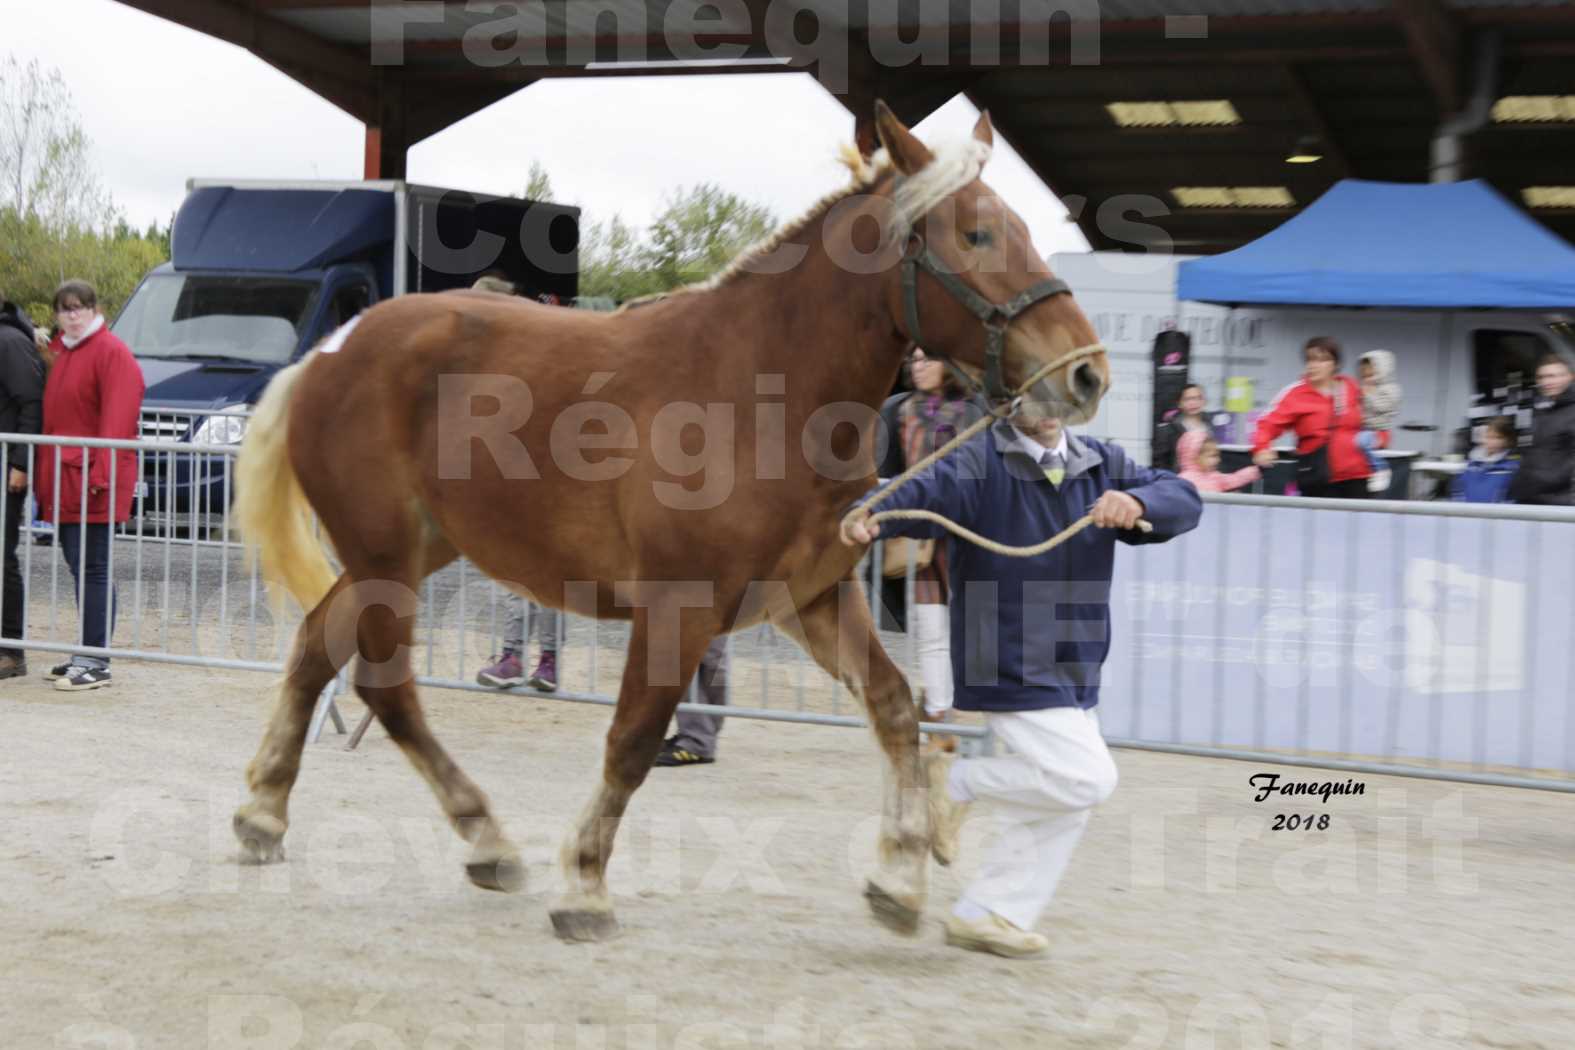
(978, 238)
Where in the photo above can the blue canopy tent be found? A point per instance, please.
(1449, 245)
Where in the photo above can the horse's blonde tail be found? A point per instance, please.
(270, 507)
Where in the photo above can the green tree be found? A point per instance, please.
(57, 220)
(45, 156)
(538, 184)
(612, 261)
(699, 231)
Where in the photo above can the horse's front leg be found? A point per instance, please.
(654, 679)
(836, 629)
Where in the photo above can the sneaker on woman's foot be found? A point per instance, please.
(545, 677)
(84, 678)
(507, 672)
(57, 671)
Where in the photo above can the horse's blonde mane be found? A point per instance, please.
(953, 167)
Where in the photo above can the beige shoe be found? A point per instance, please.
(995, 935)
(946, 815)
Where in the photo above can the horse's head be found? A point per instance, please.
(971, 286)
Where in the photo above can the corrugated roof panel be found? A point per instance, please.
(1508, 3)
(421, 22)
(1032, 12)
(1140, 9)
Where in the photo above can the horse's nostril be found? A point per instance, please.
(1086, 384)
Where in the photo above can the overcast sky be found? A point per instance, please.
(162, 103)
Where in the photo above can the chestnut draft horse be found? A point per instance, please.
(369, 434)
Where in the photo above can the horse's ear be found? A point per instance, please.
(907, 153)
(983, 131)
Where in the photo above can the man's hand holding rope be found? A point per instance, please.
(1113, 510)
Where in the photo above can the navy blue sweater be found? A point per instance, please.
(1032, 633)
(1485, 480)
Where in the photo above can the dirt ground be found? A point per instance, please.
(1425, 915)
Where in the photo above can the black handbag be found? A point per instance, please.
(1312, 468)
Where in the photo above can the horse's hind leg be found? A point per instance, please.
(652, 687)
(844, 643)
(260, 823)
(383, 678)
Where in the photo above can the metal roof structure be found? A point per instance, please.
(1154, 125)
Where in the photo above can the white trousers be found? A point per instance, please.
(934, 637)
(1059, 770)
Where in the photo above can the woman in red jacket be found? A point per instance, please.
(1325, 410)
(94, 390)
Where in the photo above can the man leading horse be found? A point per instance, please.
(369, 435)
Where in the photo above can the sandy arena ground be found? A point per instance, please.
(1427, 915)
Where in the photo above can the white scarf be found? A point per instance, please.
(92, 329)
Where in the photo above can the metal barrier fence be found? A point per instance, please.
(1423, 639)
(189, 593)
(1411, 638)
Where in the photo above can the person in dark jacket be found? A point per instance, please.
(1029, 637)
(1188, 417)
(94, 390)
(1492, 467)
(1547, 468)
(21, 412)
(937, 410)
(900, 419)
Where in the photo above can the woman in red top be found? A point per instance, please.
(94, 390)
(1325, 410)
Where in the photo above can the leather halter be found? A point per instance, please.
(994, 316)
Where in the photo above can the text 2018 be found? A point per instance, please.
(1297, 822)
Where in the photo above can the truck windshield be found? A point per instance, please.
(230, 318)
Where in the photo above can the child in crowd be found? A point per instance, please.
(1492, 466)
(1198, 456)
(1188, 416)
(1380, 406)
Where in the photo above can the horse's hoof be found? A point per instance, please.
(504, 873)
(891, 912)
(261, 835)
(584, 924)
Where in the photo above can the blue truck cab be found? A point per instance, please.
(262, 271)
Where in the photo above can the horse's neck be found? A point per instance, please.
(829, 330)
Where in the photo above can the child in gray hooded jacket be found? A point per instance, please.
(1380, 407)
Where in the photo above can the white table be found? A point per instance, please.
(1432, 470)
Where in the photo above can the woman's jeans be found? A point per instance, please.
(546, 626)
(95, 594)
(1367, 441)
